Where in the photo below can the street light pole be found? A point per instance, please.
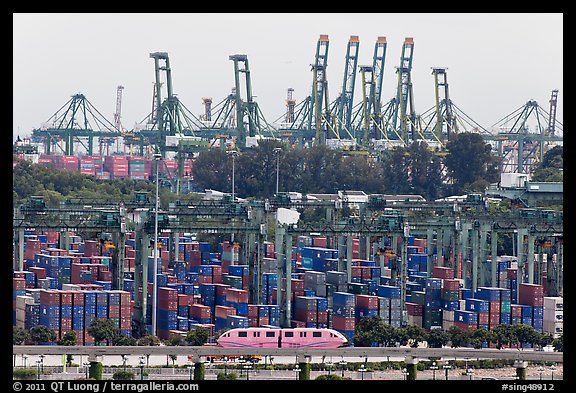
(446, 368)
(157, 158)
(433, 368)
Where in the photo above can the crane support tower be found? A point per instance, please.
(404, 95)
(345, 101)
(319, 88)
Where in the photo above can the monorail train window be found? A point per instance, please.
(256, 334)
(270, 334)
(288, 334)
(316, 334)
(242, 334)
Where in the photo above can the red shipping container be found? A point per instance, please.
(252, 310)
(322, 316)
(494, 306)
(113, 311)
(297, 324)
(343, 323)
(66, 297)
(263, 320)
(319, 241)
(367, 301)
(494, 319)
(253, 321)
(171, 305)
(78, 298)
(18, 283)
(515, 310)
(204, 279)
(224, 311)
(297, 285)
(50, 297)
(305, 315)
(464, 326)
(442, 272)
(414, 309)
(167, 293)
(531, 294)
(200, 311)
(483, 318)
(220, 289)
(450, 284)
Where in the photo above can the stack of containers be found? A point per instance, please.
(90, 309)
(335, 282)
(315, 258)
(344, 313)
(221, 314)
(533, 295)
(68, 163)
(366, 306)
(433, 306)
(312, 311)
(117, 166)
(200, 313)
(390, 304)
(274, 315)
(22, 303)
(230, 255)
(31, 248)
(87, 165)
(18, 289)
(269, 282)
(415, 314)
(515, 314)
(482, 308)
(50, 310)
(136, 168)
(237, 321)
(315, 281)
(167, 318)
(78, 316)
(450, 296)
(417, 261)
(237, 298)
(240, 271)
(505, 306)
(492, 295)
(466, 319)
(32, 316)
(554, 315)
(208, 295)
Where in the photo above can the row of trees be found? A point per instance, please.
(373, 330)
(104, 331)
(469, 165)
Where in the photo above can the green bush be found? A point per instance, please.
(227, 376)
(122, 375)
(328, 377)
(24, 373)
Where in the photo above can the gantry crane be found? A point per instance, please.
(341, 108)
(77, 121)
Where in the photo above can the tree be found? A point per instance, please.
(525, 334)
(41, 334)
(121, 340)
(478, 336)
(122, 375)
(213, 169)
(19, 336)
(458, 337)
(558, 343)
(437, 338)
(197, 336)
(149, 340)
(502, 334)
(103, 329)
(416, 334)
(470, 159)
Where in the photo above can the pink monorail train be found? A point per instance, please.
(256, 337)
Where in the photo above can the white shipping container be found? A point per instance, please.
(71, 287)
(22, 301)
(553, 303)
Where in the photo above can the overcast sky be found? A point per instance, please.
(496, 62)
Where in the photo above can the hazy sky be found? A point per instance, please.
(496, 62)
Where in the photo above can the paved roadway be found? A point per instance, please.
(302, 354)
